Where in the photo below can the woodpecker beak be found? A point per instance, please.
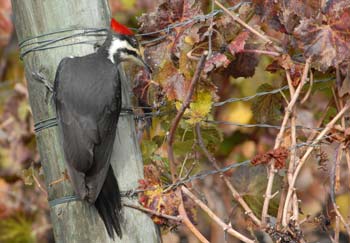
(148, 68)
(142, 62)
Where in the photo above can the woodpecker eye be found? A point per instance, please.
(134, 43)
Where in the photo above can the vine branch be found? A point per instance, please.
(302, 160)
(234, 192)
(152, 212)
(180, 113)
(212, 215)
(245, 25)
(278, 141)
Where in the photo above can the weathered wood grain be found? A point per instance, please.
(76, 221)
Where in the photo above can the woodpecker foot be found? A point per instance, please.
(62, 179)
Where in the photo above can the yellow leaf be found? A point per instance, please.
(342, 202)
(238, 112)
(128, 4)
(200, 108)
(23, 110)
(189, 40)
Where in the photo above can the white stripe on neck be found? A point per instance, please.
(116, 45)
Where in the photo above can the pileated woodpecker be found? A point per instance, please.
(87, 94)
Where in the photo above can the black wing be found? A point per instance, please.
(88, 105)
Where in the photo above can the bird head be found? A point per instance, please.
(123, 46)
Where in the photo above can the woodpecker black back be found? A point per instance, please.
(87, 93)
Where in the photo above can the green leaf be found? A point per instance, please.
(148, 148)
(251, 183)
(267, 108)
(182, 148)
(212, 137)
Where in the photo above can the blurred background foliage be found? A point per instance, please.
(24, 211)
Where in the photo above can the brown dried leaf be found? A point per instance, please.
(336, 7)
(280, 156)
(293, 10)
(285, 15)
(285, 62)
(328, 43)
(295, 70)
(176, 87)
(172, 81)
(165, 202)
(151, 174)
(215, 61)
(345, 85)
(339, 135)
(167, 13)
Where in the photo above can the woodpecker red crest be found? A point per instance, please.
(119, 28)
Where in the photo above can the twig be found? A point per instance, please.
(188, 173)
(302, 161)
(210, 30)
(347, 156)
(187, 222)
(41, 188)
(295, 207)
(183, 165)
(310, 88)
(270, 53)
(234, 192)
(152, 212)
(245, 25)
(180, 113)
(346, 150)
(340, 216)
(65, 177)
(7, 122)
(293, 155)
(333, 188)
(337, 229)
(259, 94)
(291, 167)
(212, 215)
(279, 140)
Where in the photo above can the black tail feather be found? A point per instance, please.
(108, 204)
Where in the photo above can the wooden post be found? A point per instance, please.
(76, 221)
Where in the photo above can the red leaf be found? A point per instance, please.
(244, 65)
(237, 45)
